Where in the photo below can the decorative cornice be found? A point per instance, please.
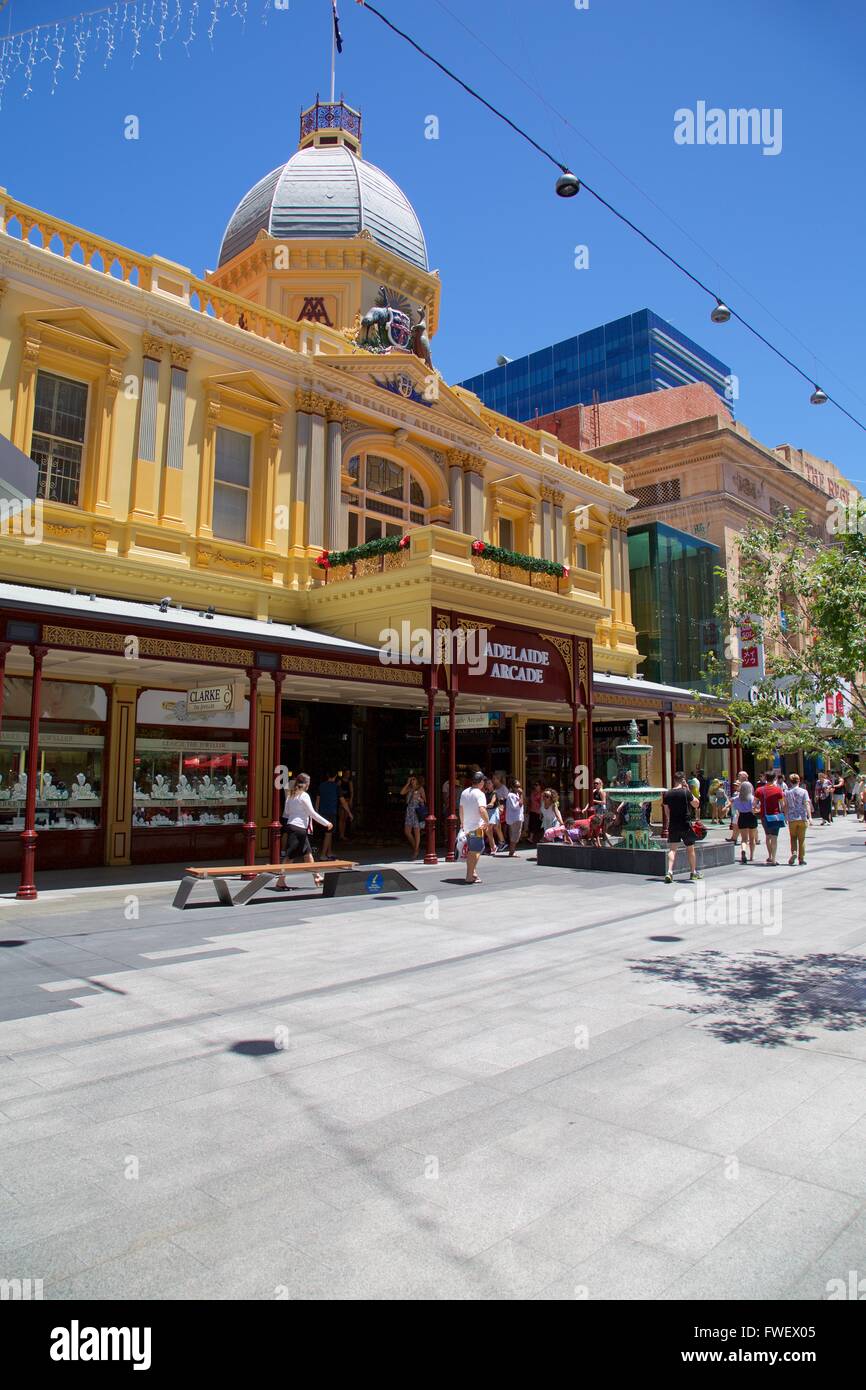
(4, 285)
(472, 464)
(336, 413)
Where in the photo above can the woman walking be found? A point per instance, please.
(298, 815)
(824, 798)
(514, 814)
(743, 804)
(413, 791)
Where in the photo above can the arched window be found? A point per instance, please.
(384, 500)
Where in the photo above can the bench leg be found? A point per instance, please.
(250, 889)
(185, 888)
(223, 891)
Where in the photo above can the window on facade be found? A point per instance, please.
(385, 499)
(581, 558)
(231, 493)
(59, 421)
(506, 533)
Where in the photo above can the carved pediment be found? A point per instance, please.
(402, 374)
(76, 330)
(247, 390)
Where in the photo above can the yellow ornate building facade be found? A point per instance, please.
(222, 472)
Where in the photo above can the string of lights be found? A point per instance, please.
(103, 31)
(568, 185)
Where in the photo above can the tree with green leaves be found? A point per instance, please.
(804, 593)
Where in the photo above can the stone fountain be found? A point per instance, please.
(638, 851)
(633, 789)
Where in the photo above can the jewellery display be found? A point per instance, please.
(176, 784)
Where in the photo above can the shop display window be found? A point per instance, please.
(69, 790)
(184, 784)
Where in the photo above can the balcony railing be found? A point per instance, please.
(152, 274)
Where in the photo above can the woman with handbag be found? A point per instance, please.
(771, 800)
(743, 805)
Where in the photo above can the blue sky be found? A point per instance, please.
(787, 227)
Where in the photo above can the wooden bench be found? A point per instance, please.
(257, 876)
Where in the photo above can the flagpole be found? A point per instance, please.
(333, 57)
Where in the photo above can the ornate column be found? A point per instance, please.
(455, 460)
(117, 795)
(430, 856)
(663, 726)
(27, 885)
(267, 517)
(559, 550)
(576, 794)
(252, 739)
(171, 501)
(207, 468)
(146, 471)
(303, 429)
(333, 527)
(317, 406)
(276, 826)
(546, 494)
(474, 518)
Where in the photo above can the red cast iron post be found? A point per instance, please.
(451, 853)
(430, 856)
(274, 852)
(250, 826)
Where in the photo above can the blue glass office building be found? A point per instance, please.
(628, 357)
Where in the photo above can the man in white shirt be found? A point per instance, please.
(473, 820)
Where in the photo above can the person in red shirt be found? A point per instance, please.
(771, 800)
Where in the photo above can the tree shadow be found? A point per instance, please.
(768, 998)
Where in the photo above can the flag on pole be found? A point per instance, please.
(338, 37)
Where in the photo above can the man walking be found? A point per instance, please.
(473, 823)
(681, 808)
(798, 809)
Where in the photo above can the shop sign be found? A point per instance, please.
(618, 728)
(442, 722)
(211, 699)
(201, 705)
(519, 663)
(718, 741)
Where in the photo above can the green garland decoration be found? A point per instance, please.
(519, 561)
(383, 545)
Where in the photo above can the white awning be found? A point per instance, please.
(27, 599)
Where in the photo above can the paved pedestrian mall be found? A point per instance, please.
(555, 1085)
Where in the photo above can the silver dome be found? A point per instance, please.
(327, 192)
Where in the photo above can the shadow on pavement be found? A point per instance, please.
(768, 998)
